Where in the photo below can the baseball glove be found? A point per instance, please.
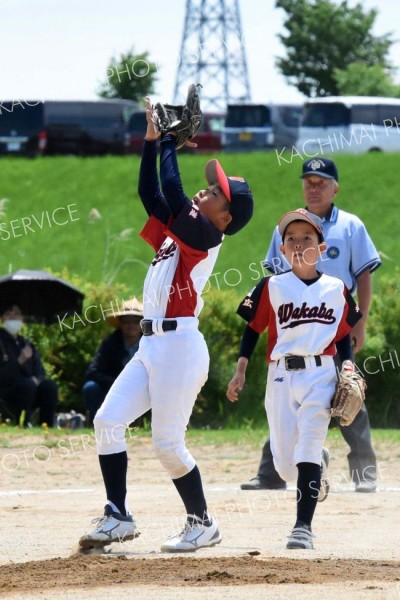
(184, 119)
(349, 396)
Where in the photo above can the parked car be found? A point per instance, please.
(208, 138)
(34, 128)
(260, 126)
(135, 132)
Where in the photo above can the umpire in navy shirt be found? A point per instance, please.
(352, 257)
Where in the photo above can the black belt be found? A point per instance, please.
(297, 363)
(146, 326)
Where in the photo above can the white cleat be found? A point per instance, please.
(301, 538)
(193, 536)
(111, 527)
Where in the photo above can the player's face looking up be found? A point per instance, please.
(302, 248)
(213, 204)
(319, 193)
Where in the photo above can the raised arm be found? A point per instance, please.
(170, 177)
(149, 188)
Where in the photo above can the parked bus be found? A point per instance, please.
(35, 127)
(261, 126)
(349, 124)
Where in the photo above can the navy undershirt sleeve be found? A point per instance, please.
(249, 342)
(148, 187)
(344, 348)
(170, 177)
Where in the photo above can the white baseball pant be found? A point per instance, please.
(297, 405)
(166, 374)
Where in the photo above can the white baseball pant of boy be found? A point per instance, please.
(166, 374)
(297, 405)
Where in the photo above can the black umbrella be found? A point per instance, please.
(39, 295)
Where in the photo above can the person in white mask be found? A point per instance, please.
(23, 382)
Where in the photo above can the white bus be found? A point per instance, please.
(349, 124)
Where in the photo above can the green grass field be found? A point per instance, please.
(14, 437)
(46, 224)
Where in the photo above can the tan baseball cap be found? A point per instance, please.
(301, 214)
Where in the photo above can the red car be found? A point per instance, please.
(208, 138)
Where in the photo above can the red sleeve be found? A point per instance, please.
(154, 232)
(351, 315)
(255, 307)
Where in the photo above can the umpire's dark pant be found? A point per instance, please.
(362, 459)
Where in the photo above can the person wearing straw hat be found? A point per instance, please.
(112, 355)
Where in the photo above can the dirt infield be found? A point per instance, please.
(51, 489)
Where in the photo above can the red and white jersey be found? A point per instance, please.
(301, 319)
(186, 251)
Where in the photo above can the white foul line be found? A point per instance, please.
(41, 492)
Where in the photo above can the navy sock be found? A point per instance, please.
(190, 489)
(308, 485)
(114, 468)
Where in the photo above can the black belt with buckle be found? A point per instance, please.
(146, 326)
(298, 363)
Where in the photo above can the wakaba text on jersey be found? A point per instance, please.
(304, 314)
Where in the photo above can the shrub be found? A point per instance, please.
(222, 329)
(67, 349)
(379, 360)
(68, 346)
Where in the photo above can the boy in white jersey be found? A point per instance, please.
(309, 317)
(171, 365)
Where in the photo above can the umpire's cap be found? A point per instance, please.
(237, 192)
(301, 214)
(323, 167)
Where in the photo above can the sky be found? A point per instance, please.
(60, 49)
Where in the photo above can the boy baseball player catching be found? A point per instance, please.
(171, 366)
(309, 316)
